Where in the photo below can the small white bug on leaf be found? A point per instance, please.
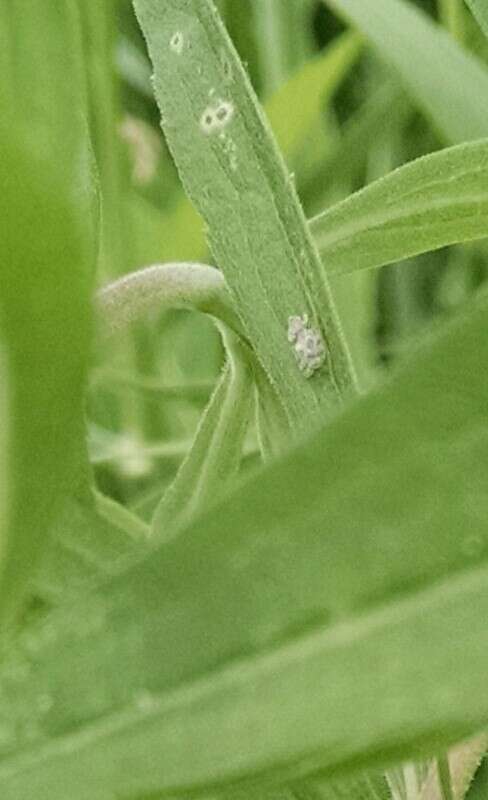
(308, 344)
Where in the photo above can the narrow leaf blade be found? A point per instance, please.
(437, 200)
(234, 175)
(270, 659)
(48, 211)
(449, 84)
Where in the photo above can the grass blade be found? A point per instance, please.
(263, 247)
(478, 789)
(437, 200)
(462, 764)
(220, 684)
(480, 11)
(448, 83)
(48, 209)
(213, 461)
(311, 88)
(90, 540)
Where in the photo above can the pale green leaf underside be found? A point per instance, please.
(448, 83)
(249, 646)
(437, 200)
(237, 180)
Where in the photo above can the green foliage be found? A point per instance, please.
(480, 10)
(439, 199)
(227, 160)
(456, 106)
(298, 548)
(47, 212)
(223, 571)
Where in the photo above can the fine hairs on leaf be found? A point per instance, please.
(165, 286)
(437, 200)
(214, 457)
(282, 276)
(224, 571)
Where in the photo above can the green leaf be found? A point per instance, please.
(480, 11)
(90, 540)
(282, 30)
(162, 287)
(479, 787)
(309, 89)
(460, 765)
(448, 83)
(178, 233)
(233, 173)
(452, 16)
(99, 32)
(249, 646)
(437, 200)
(213, 462)
(370, 786)
(47, 208)
(382, 113)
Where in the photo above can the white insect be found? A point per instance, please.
(308, 344)
(216, 117)
(176, 42)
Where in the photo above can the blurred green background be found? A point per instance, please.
(349, 122)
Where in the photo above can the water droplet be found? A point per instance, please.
(176, 42)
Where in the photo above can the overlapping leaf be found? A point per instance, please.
(47, 248)
(249, 646)
(437, 200)
(231, 170)
(448, 83)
